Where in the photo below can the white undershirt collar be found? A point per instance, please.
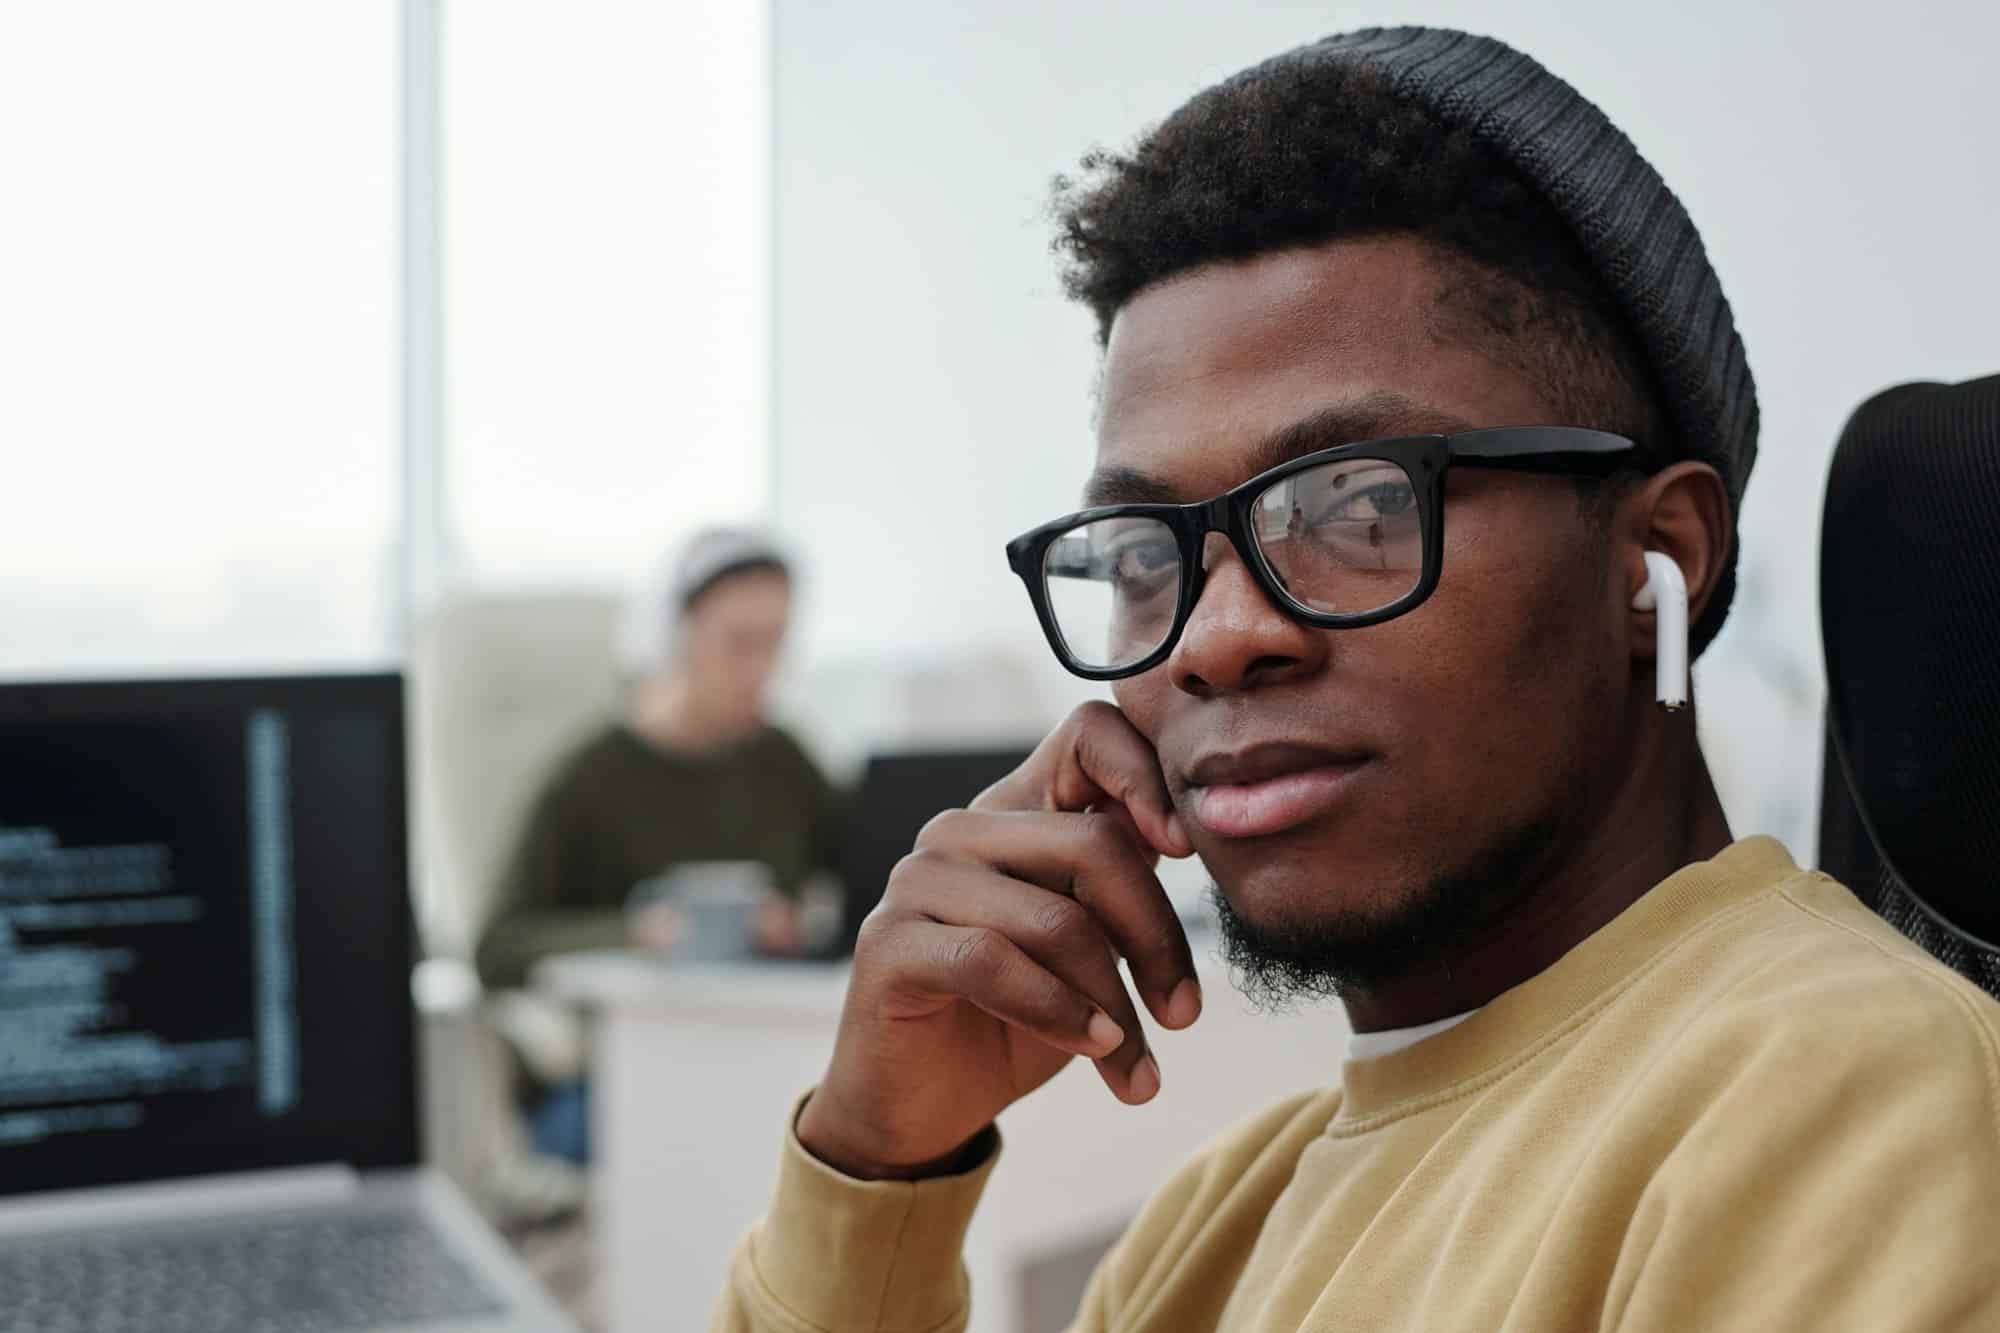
(1375, 1045)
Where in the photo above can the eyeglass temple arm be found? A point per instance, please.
(1565, 449)
(1545, 449)
(1498, 443)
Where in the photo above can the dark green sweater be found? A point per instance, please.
(621, 809)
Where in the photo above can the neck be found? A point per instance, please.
(1666, 817)
(667, 711)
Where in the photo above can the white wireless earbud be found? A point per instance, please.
(1666, 593)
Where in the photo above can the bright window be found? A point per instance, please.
(198, 456)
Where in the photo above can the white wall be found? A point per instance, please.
(197, 318)
(933, 387)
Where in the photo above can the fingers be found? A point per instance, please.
(1091, 859)
(1108, 757)
(1095, 757)
(1059, 933)
(1021, 906)
(990, 971)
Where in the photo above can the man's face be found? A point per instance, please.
(1356, 786)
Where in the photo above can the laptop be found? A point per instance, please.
(900, 791)
(208, 1103)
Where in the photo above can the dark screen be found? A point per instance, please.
(899, 795)
(204, 929)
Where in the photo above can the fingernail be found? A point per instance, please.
(1146, 1078)
(1177, 830)
(1184, 1006)
(1104, 1032)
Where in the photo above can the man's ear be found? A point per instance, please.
(1681, 511)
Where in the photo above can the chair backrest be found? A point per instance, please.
(1910, 618)
(501, 686)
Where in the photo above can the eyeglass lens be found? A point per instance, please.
(1342, 538)
(1113, 586)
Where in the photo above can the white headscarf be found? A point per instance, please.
(653, 627)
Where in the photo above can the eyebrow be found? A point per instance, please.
(1378, 416)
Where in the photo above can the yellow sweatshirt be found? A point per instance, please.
(1746, 1103)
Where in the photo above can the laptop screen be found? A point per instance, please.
(900, 792)
(205, 938)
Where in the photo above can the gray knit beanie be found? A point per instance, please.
(1633, 230)
(718, 553)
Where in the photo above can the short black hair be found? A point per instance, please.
(1298, 153)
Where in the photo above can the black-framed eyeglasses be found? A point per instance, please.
(1340, 538)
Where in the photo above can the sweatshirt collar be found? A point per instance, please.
(1519, 1020)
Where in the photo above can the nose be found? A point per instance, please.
(1236, 638)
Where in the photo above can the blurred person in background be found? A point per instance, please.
(695, 773)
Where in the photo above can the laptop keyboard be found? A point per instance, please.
(303, 1273)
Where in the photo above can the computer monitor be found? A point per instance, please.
(205, 933)
(900, 793)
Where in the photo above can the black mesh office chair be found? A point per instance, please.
(1909, 594)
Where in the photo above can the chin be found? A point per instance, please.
(1315, 922)
(1290, 937)
(1312, 876)
(745, 719)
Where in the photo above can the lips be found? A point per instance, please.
(1269, 788)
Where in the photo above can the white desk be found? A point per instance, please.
(695, 1068)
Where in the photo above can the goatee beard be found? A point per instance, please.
(1326, 957)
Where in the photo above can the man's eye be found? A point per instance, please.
(1370, 504)
(1141, 561)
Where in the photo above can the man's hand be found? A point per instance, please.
(993, 958)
